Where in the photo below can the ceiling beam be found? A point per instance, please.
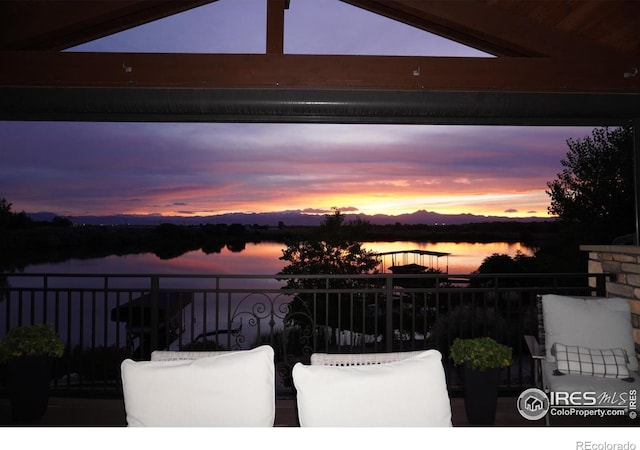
(275, 26)
(275, 71)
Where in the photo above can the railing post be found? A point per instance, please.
(45, 297)
(389, 315)
(601, 285)
(155, 288)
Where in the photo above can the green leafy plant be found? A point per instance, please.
(30, 340)
(480, 353)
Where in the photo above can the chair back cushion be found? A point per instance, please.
(407, 393)
(594, 322)
(229, 390)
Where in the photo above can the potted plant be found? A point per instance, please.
(481, 360)
(28, 352)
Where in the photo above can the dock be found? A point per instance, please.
(413, 261)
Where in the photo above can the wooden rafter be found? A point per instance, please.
(60, 24)
(275, 26)
(484, 26)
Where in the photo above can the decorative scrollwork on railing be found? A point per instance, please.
(277, 319)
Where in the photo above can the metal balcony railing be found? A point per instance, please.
(104, 319)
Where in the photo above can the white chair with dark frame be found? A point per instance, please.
(585, 344)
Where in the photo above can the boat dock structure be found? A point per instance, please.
(412, 261)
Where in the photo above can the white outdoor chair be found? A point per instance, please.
(584, 344)
(228, 389)
(366, 390)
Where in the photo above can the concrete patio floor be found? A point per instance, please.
(84, 412)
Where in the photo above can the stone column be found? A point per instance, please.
(623, 263)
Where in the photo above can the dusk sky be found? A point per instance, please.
(201, 169)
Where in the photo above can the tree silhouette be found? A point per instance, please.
(6, 215)
(334, 251)
(595, 190)
(9, 219)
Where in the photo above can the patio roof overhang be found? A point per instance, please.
(318, 88)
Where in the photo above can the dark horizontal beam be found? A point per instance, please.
(315, 88)
(317, 72)
(314, 106)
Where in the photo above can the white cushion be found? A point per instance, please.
(608, 363)
(407, 393)
(233, 389)
(598, 323)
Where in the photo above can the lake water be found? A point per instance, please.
(263, 258)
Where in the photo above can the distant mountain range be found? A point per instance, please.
(288, 218)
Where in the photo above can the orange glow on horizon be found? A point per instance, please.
(521, 204)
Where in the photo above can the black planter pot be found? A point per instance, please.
(28, 380)
(481, 395)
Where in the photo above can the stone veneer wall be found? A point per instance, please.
(623, 263)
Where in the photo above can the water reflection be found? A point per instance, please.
(263, 259)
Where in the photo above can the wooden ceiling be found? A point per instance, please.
(557, 62)
(524, 27)
(53, 25)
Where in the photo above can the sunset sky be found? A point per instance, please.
(201, 169)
